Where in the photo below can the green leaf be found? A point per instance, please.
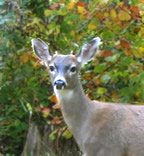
(101, 91)
(113, 58)
(99, 68)
(48, 13)
(52, 135)
(67, 134)
(105, 78)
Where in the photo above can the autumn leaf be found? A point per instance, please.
(62, 23)
(71, 5)
(125, 44)
(128, 52)
(91, 26)
(79, 37)
(124, 16)
(81, 10)
(81, 4)
(138, 52)
(45, 112)
(113, 14)
(101, 15)
(73, 33)
(88, 76)
(106, 53)
(53, 99)
(106, 14)
(135, 12)
(24, 58)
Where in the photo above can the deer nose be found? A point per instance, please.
(60, 84)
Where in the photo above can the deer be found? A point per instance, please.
(99, 128)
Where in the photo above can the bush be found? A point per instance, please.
(25, 92)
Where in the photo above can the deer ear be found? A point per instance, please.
(41, 49)
(88, 50)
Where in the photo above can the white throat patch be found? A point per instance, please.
(64, 94)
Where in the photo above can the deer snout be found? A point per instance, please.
(60, 84)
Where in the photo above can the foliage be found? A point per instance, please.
(117, 74)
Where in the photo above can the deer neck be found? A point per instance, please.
(75, 107)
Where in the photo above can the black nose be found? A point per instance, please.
(60, 84)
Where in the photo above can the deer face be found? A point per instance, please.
(64, 69)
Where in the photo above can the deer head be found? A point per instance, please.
(64, 69)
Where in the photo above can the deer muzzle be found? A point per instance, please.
(60, 84)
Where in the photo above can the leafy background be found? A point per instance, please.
(26, 95)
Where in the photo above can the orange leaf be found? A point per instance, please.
(53, 99)
(71, 5)
(125, 44)
(135, 12)
(81, 10)
(128, 52)
(81, 4)
(106, 53)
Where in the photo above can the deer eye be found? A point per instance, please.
(73, 69)
(51, 68)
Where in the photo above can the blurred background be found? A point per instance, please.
(31, 122)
